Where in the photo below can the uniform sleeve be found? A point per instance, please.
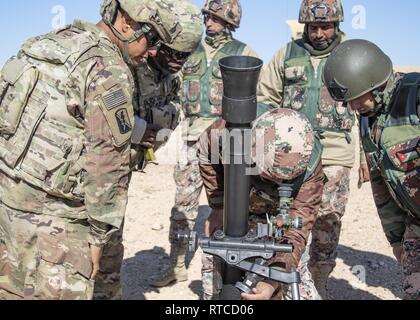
(249, 52)
(392, 217)
(305, 206)
(181, 77)
(109, 119)
(174, 100)
(363, 159)
(270, 87)
(211, 169)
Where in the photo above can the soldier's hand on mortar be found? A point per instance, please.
(214, 222)
(364, 174)
(96, 253)
(398, 252)
(149, 138)
(263, 291)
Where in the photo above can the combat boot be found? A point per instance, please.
(177, 271)
(320, 275)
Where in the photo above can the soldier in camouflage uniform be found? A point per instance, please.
(291, 155)
(156, 107)
(202, 93)
(67, 119)
(158, 81)
(390, 131)
(293, 79)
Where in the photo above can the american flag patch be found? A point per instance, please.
(114, 99)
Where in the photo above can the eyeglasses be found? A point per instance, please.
(152, 37)
(337, 91)
(174, 54)
(207, 16)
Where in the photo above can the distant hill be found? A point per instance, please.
(407, 69)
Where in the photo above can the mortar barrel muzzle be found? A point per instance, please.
(240, 78)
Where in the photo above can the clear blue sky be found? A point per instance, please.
(393, 25)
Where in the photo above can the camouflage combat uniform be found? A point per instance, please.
(156, 102)
(299, 165)
(201, 98)
(293, 79)
(390, 133)
(392, 144)
(66, 121)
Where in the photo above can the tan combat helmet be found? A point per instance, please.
(321, 11)
(172, 56)
(153, 14)
(283, 142)
(229, 11)
(190, 19)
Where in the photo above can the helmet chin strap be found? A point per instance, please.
(126, 42)
(214, 39)
(379, 97)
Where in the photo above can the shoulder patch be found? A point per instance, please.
(119, 113)
(114, 99)
(123, 121)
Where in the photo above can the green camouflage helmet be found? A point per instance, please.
(321, 11)
(157, 14)
(229, 11)
(356, 67)
(283, 142)
(191, 21)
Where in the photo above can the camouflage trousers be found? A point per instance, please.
(189, 186)
(43, 257)
(411, 263)
(213, 281)
(327, 229)
(108, 280)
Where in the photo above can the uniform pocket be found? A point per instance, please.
(216, 90)
(294, 97)
(191, 67)
(405, 158)
(12, 149)
(192, 90)
(410, 184)
(64, 270)
(191, 95)
(295, 74)
(51, 159)
(216, 96)
(326, 103)
(17, 82)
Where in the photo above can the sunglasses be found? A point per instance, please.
(173, 54)
(337, 91)
(152, 37)
(208, 16)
